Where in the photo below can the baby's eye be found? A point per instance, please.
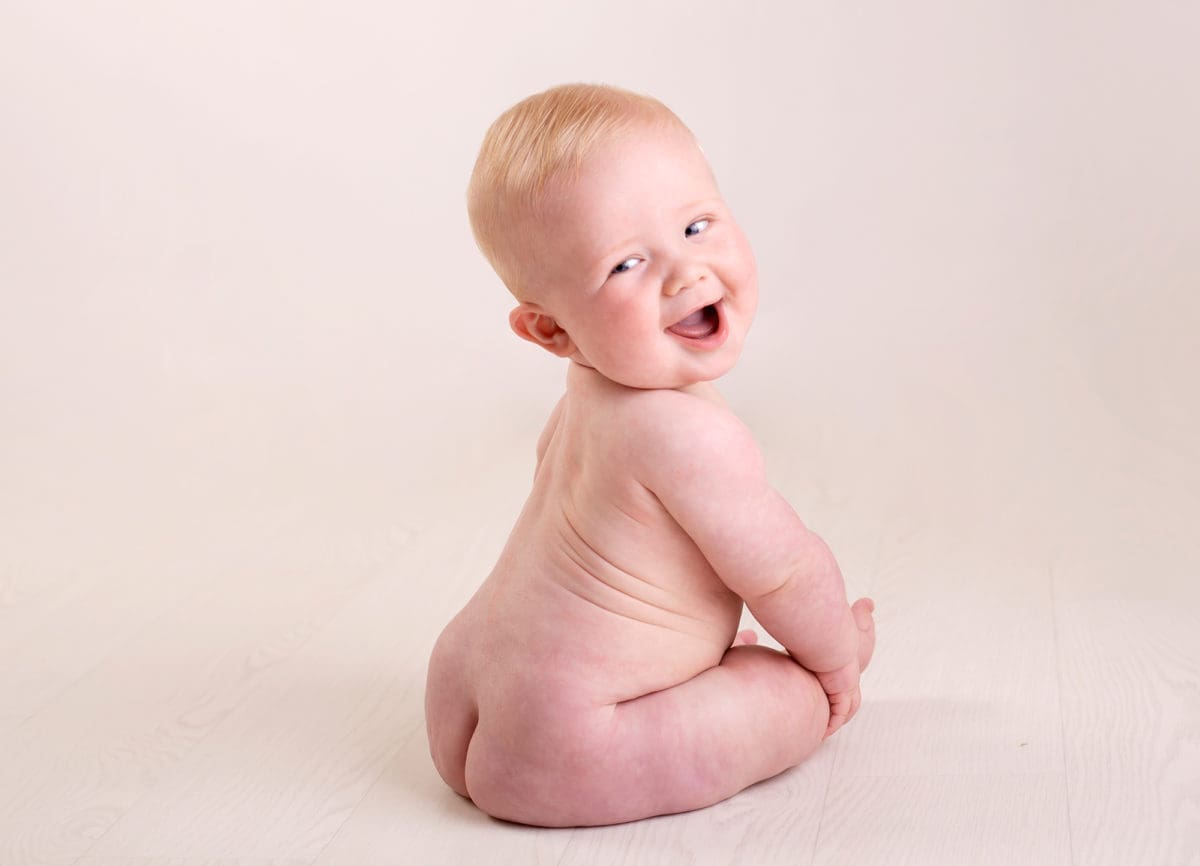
(621, 268)
(703, 224)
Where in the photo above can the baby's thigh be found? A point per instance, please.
(749, 718)
(746, 719)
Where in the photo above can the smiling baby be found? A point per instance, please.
(597, 675)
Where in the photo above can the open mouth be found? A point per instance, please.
(701, 323)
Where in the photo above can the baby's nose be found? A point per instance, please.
(683, 277)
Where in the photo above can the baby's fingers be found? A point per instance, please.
(842, 708)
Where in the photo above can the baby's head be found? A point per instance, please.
(598, 210)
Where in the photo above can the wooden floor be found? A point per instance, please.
(245, 686)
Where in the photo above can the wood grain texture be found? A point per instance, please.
(283, 770)
(1018, 820)
(1127, 612)
(55, 629)
(189, 861)
(106, 741)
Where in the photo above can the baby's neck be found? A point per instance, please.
(583, 375)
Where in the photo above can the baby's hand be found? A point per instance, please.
(841, 686)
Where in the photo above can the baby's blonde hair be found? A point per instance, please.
(541, 137)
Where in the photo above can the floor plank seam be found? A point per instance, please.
(825, 802)
(985, 774)
(384, 764)
(1062, 721)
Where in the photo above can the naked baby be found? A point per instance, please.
(597, 675)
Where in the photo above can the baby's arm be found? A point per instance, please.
(807, 613)
(707, 470)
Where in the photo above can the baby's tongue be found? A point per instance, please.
(698, 324)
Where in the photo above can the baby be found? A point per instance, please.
(597, 675)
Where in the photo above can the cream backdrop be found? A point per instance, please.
(239, 290)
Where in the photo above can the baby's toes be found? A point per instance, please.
(745, 637)
(863, 610)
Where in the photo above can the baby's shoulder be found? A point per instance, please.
(672, 429)
(650, 409)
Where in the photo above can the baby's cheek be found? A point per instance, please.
(619, 339)
(630, 322)
(746, 268)
(745, 254)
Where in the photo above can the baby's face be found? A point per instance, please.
(642, 264)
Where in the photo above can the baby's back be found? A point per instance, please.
(599, 596)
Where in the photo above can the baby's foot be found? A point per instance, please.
(745, 637)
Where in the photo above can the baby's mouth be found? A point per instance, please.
(699, 324)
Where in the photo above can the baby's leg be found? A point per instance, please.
(747, 719)
(753, 716)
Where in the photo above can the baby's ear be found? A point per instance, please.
(531, 322)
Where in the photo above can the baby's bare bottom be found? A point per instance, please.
(752, 716)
